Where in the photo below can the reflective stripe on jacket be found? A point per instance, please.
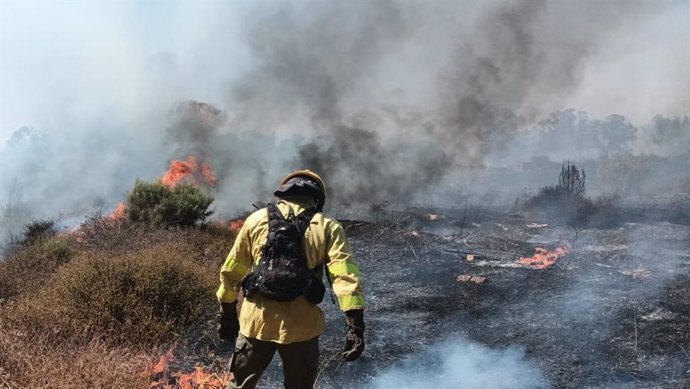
(297, 320)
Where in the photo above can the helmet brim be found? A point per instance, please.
(300, 185)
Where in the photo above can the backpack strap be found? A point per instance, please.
(304, 219)
(301, 221)
(273, 212)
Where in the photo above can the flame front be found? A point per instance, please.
(118, 213)
(189, 171)
(544, 258)
(198, 379)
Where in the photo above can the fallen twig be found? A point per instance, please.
(602, 265)
(412, 248)
(504, 255)
(500, 264)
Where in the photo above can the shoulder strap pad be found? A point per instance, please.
(304, 218)
(301, 221)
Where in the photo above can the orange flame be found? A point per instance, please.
(198, 379)
(236, 225)
(118, 213)
(208, 175)
(190, 171)
(162, 365)
(544, 258)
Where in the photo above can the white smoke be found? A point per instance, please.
(99, 83)
(463, 364)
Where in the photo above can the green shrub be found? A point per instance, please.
(155, 204)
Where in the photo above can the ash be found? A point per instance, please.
(612, 313)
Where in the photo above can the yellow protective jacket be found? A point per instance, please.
(298, 320)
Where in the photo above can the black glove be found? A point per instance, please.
(354, 340)
(228, 325)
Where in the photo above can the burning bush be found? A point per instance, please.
(155, 204)
(141, 298)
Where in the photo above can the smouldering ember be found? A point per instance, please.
(189, 171)
(544, 258)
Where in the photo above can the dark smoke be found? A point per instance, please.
(354, 75)
(389, 100)
(365, 171)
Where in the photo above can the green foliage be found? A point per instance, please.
(155, 204)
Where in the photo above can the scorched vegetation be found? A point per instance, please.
(504, 297)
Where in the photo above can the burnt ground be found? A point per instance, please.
(613, 313)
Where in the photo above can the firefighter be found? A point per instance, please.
(269, 321)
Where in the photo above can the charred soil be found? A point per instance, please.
(614, 312)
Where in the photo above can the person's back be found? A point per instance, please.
(291, 327)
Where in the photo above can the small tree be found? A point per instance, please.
(571, 181)
(38, 229)
(566, 203)
(155, 204)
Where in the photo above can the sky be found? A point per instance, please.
(391, 86)
(82, 58)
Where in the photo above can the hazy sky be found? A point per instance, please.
(392, 85)
(69, 57)
(72, 61)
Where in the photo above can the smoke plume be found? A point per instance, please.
(390, 100)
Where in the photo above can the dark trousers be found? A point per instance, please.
(252, 357)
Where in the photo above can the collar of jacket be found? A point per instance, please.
(296, 204)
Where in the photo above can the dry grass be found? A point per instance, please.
(26, 267)
(91, 309)
(30, 362)
(139, 298)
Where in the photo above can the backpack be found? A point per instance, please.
(282, 273)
